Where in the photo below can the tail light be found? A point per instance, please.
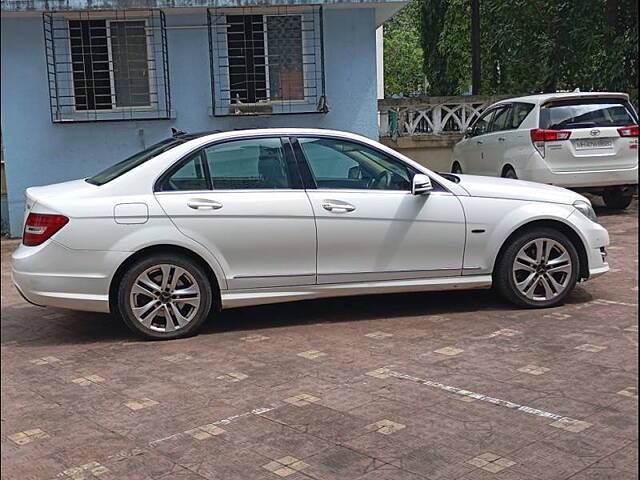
(540, 135)
(630, 131)
(39, 227)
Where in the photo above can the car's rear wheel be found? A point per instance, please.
(538, 269)
(456, 168)
(165, 296)
(509, 172)
(617, 198)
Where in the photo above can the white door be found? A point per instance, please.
(370, 226)
(243, 200)
(496, 142)
(475, 152)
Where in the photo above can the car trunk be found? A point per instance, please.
(595, 139)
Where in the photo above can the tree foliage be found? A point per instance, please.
(530, 45)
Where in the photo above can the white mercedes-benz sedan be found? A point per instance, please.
(200, 222)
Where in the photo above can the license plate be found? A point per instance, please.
(590, 144)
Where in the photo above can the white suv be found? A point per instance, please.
(583, 141)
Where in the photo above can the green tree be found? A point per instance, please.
(403, 52)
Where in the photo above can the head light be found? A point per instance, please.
(586, 209)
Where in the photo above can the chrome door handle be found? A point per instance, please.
(200, 204)
(501, 139)
(337, 206)
(479, 142)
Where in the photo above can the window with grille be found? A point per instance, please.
(110, 68)
(266, 62)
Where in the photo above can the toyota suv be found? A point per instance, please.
(584, 141)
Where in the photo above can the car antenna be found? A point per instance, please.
(175, 132)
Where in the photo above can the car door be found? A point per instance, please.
(244, 201)
(475, 162)
(496, 140)
(370, 226)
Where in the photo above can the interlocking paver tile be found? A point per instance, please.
(140, 404)
(379, 373)
(301, 399)
(533, 370)
(311, 354)
(254, 338)
(285, 466)
(587, 347)
(233, 377)
(379, 335)
(629, 392)
(27, 436)
(385, 427)
(449, 351)
(571, 425)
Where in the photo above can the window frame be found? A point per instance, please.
(289, 158)
(150, 70)
(310, 181)
(497, 111)
(489, 111)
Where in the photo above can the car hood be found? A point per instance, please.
(494, 187)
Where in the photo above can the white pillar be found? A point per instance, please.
(380, 61)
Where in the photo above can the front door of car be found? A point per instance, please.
(496, 141)
(244, 201)
(370, 226)
(475, 158)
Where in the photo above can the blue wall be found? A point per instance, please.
(39, 152)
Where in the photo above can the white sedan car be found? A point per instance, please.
(584, 141)
(197, 223)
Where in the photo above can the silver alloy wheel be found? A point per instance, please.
(542, 269)
(165, 298)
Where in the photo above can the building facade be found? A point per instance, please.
(87, 83)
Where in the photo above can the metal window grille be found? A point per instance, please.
(107, 65)
(266, 60)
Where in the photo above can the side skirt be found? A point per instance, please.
(261, 296)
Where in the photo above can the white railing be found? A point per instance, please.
(430, 115)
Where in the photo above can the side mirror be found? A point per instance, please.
(469, 132)
(421, 184)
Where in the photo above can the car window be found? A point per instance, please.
(135, 160)
(248, 164)
(586, 113)
(191, 175)
(482, 124)
(520, 112)
(341, 164)
(501, 120)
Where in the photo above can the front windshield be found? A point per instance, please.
(133, 161)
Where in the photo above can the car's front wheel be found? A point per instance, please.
(617, 198)
(539, 268)
(165, 296)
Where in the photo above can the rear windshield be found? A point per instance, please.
(571, 114)
(133, 161)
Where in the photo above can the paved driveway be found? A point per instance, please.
(402, 387)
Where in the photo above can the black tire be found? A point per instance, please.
(154, 332)
(509, 172)
(456, 168)
(504, 279)
(617, 198)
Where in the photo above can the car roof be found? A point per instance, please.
(543, 98)
(249, 132)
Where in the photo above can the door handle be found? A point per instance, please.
(501, 139)
(337, 206)
(479, 142)
(202, 204)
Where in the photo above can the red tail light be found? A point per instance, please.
(542, 135)
(40, 227)
(630, 131)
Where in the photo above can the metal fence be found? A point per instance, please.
(107, 65)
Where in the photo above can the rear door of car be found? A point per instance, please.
(597, 138)
(244, 201)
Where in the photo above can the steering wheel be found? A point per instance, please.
(381, 181)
